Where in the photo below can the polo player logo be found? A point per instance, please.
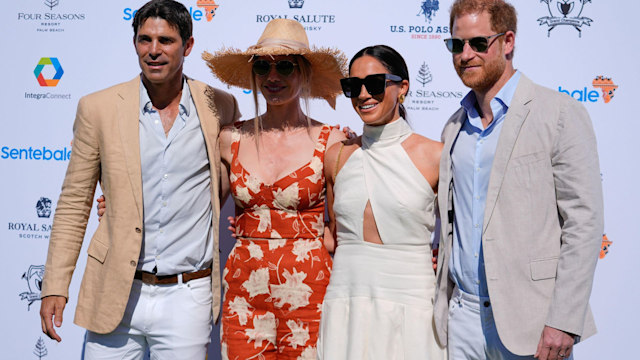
(33, 276)
(428, 8)
(209, 7)
(565, 12)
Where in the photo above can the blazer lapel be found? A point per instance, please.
(128, 117)
(516, 115)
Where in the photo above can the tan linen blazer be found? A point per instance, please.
(106, 148)
(543, 220)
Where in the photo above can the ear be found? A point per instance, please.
(404, 87)
(188, 46)
(509, 42)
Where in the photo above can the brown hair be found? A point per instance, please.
(502, 14)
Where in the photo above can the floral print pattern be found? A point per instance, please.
(276, 276)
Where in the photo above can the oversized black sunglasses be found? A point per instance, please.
(478, 44)
(375, 84)
(283, 67)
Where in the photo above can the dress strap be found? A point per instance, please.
(235, 143)
(323, 138)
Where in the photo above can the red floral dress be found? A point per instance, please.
(277, 273)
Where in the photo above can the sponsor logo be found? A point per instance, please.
(43, 207)
(424, 75)
(606, 243)
(432, 30)
(296, 4)
(607, 87)
(40, 350)
(208, 11)
(587, 95)
(31, 229)
(310, 21)
(41, 65)
(35, 153)
(209, 7)
(565, 12)
(426, 98)
(33, 277)
(50, 21)
(428, 8)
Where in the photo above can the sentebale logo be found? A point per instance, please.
(56, 65)
(606, 85)
(209, 7)
(559, 14)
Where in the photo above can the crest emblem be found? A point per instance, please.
(296, 4)
(33, 276)
(428, 8)
(565, 12)
(43, 207)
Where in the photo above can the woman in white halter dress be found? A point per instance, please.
(379, 303)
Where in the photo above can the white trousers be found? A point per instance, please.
(472, 330)
(169, 321)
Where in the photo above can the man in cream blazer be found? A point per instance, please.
(520, 201)
(152, 143)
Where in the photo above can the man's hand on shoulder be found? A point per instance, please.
(554, 344)
(52, 308)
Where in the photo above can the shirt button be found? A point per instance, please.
(165, 176)
(476, 254)
(477, 225)
(477, 169)
(164, 203)
(138, 230)
(132, 263)
(477, 281)
(155, 122)
(161, 231)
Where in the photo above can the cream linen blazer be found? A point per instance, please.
(543, 220)
(106, 148)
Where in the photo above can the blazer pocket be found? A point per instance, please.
(544, 268)
(98, 250)
(527, 158)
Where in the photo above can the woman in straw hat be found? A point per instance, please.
(379, 302)
(276, 275)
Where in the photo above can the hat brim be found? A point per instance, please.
(328, 66)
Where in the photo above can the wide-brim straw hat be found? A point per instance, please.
(282, 37)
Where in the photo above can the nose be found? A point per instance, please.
(364, 94)
(467, 52)
(273, 74)
(155, 50)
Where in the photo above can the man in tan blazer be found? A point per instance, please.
(520, 203)
(152, 143)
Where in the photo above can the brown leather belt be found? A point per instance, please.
(152, 279)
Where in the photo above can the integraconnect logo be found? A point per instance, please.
(565, 12)
(50, 21)
(431, 31)
(33, 277)
(208, 11)
(605, 84)
(41, 65)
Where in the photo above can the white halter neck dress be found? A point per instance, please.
(379, 303)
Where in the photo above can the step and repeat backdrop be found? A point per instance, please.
(56, 51)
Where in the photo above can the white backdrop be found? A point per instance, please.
(87, 46)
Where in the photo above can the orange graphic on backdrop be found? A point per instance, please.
(209, 7)
(606, 85)
(606, 243)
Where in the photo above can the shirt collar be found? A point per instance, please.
(499, 104)
(146, 107)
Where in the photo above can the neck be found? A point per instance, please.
(284, 116)
(163, 95)
(484, 97)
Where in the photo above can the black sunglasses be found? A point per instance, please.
(478, 44)
(283, 67)
(375, 84)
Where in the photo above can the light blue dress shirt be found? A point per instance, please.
(176, 193)
(472, 157)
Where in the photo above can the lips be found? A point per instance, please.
(274, 88)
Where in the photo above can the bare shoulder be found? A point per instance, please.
(424, 147)
(335, 136)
